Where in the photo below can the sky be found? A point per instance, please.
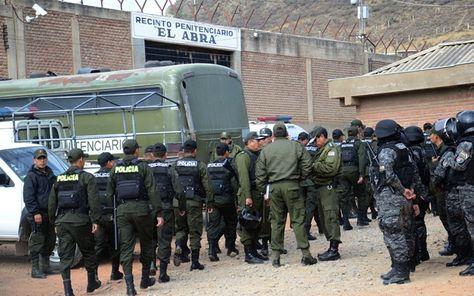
(128, 5)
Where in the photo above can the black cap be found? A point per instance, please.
(190, 145)
(368, 132)
(265, 132)
(352, 131)
(105, 157)
(150, 149)
(303, 136)
(222, 148)
(40, 153)
(252, 136)
(159, 148)
(129, 146)
(337, 133)
(76, 154)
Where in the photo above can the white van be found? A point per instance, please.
(16, 160)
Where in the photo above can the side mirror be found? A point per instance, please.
(4, 179)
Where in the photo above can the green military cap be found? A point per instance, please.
(225, 135)
(316, 131)
(352, 131)
(279, 128)
(76, 154)
(433, 131)
(130, 145)
(357, 123)
(40, 153)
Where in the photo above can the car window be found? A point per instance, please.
(5, 180)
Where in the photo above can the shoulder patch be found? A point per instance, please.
(401, 146)
(332, 153)
(462, 157)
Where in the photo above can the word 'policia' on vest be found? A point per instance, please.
(67, 178)
(126, 169)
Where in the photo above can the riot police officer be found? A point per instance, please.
(222, 206)
(192, 176)
(450, 180)
(106, 242)
(170, 191)
(393, 186)
(133, 186)
(75, 209)
(464, 162)
(37, 187)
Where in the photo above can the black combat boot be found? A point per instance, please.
(469, 270)
(362, 218)
(163, 278)
(255, 253)
(146, 280)
(389, 274)
(68, 288)
(401, 274)
(346, 224)
(264, 250)
(115, 275)
(448, 249)
(250, 258)
(458, 261)
(276, 259)
(153, 267)
(36, 272)
(178, 254)
(46, 268)
(213, 251)
(284, 251)
(185, 254)
(130, 285)
(332, 253)
(92, 281)
(307, 258)
(195, 261)
(232, 251)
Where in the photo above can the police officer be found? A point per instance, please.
(337, 137)
(282, 165)
(437, 191)
(265, 230)
(192, 176)
(415, 139)
(360, 127)
(38, 183)
(169, 190)
(325, 172)
(371, 146)
(105, 236)
(226, 138)
(451, 180)
(222, 205)
(132, 184)
(249, 198)
(74, 207)
(393, 187)
(464, 162)
(308, 191)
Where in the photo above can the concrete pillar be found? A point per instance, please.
(76, 44)
(20, 45)
(236, 61)
(309, 91)
(138, 53)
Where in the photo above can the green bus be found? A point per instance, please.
(97, 111)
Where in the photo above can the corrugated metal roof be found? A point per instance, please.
(439, 56)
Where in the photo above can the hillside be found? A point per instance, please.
(430, 21)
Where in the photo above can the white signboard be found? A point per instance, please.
(97, 146)
(171, 30)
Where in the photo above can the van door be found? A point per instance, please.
(11, 198)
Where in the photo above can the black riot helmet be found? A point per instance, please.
(447, 130)
(387, 128)
(465, 122)
(414, 134)
(249, 219)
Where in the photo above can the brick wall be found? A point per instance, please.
(105, 43)
(48, 44)
(274, 85)
(327, 111)
(3, 52)
(416, 108)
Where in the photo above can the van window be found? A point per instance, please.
(5, 180)
(20, 160)
(35, 136)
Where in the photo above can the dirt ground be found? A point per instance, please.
(364, 258)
